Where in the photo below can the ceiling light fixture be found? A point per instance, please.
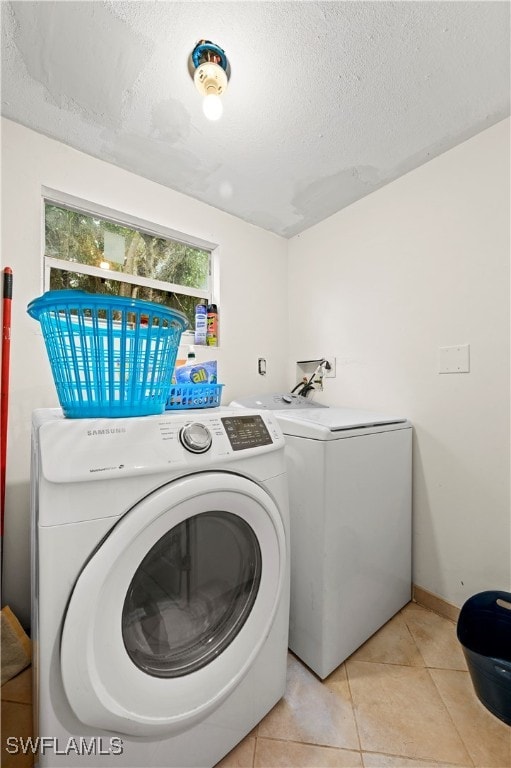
(210, 71)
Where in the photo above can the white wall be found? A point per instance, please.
(424, 263)
(252, 308)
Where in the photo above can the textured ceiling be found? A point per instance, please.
(327, 100)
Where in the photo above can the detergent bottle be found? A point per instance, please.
(212, 331)
(201, 323)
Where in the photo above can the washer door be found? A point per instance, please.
(169, 613)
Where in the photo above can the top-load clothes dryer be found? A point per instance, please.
(350, 479)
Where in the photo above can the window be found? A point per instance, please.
(88, 249)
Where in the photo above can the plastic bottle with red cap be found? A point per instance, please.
(212, 331)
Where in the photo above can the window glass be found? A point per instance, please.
(191, 594)
(94, 254)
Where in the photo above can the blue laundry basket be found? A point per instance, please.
(484, 631)
(110, 356)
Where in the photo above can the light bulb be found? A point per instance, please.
(212, 106)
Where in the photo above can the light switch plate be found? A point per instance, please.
(454, 359)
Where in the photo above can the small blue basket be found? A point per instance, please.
(110, 356)
(194, 396)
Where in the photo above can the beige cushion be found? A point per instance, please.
(16, 646)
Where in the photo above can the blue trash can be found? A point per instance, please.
(484, 631)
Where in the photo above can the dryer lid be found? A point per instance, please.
(335, 423)
(305, 418)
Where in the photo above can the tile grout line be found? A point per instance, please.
(254, 749)
(318, 746)
(414, 641)
(428, 668)
(467, 750)
(308, 743)
(353, 709)
(434, 763)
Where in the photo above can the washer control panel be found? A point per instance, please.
(246, 432)
(75, 450)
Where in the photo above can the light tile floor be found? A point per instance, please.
(403, 700)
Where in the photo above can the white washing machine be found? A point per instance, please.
(350, 480)
(160, 585)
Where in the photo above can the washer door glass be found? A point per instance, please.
(191, 594)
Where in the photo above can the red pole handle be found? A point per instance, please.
(4, 405)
